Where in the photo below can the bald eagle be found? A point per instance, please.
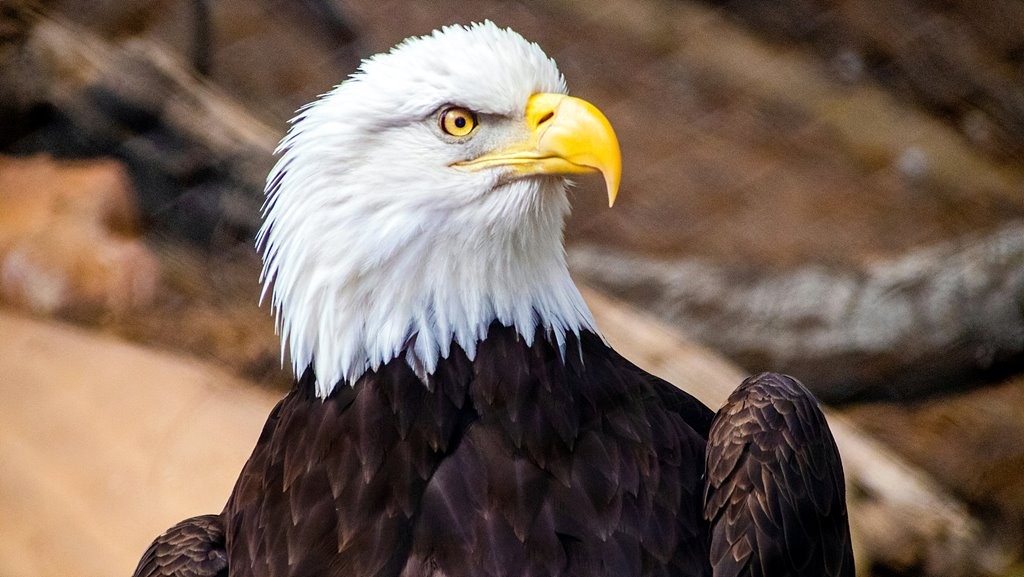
(455, 411)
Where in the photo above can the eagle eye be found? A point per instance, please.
(457, 121)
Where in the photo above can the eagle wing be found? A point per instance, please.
(775, 496)
(192, 548)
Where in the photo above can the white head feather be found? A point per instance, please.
(376, 247)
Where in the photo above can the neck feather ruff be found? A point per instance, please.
(350, 293)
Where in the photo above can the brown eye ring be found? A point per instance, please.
(457, 121)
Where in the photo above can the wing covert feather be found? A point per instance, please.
(775, 496)
(192, 548)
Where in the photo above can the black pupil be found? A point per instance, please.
(460, 122)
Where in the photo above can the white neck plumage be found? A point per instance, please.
(356, 285)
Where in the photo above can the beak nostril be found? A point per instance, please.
(545, 118)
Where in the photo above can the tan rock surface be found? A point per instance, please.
(103, 445)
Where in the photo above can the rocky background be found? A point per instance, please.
(833, 189)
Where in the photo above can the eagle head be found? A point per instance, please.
(423, 199)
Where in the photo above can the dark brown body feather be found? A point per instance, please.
(522, 462)
(515, 463)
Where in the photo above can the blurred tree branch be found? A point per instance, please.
(921, 323)
(137, 101)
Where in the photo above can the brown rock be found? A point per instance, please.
(67, 240)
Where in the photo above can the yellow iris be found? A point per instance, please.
(457, 121)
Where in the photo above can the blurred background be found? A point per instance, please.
(834, 189)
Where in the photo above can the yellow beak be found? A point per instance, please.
(567, 136)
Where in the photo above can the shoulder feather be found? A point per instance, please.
(775, 496)
(192, 548)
